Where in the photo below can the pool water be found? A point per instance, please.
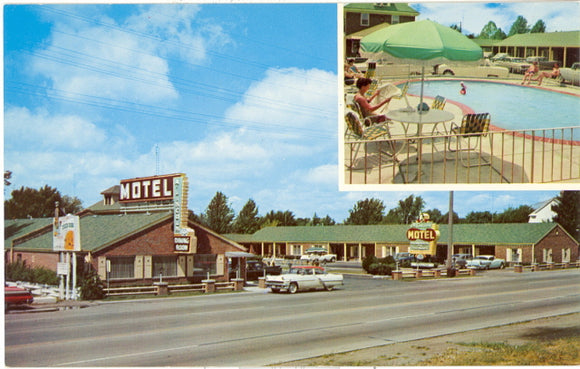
(511, 107)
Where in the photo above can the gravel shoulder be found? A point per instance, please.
(414, 352)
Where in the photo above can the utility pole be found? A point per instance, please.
(450, 231)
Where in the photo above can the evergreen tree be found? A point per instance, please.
(280, 218)
(219, 215)
(327, 221)
(519, 26)
(567, 209)
(247, 220)
(367, 211)
(539, 27)
(492, 32)
(28, 202)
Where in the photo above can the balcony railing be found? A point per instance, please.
(516, 156)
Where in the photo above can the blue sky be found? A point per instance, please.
(240, 97)
(557, 15)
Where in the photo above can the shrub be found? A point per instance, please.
(92, 287)
(368, 261)
(380, 269)
(18, 271)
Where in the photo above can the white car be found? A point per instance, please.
(480, 71)
(515, 65)
(303, 278)
(572, 74)
(486, 262)
(318, 254)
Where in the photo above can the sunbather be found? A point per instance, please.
(532, 71)
(553, 74)
(363, 85)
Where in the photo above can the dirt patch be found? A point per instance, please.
(415, 352)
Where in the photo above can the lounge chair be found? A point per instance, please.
(439, 102)
(364, 131)
(467, 138)
(403, 95)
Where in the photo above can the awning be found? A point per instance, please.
(239, 254)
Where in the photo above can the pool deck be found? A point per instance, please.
(432, 169)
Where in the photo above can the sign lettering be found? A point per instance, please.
(147, 189)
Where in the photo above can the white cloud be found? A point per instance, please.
(41, 131)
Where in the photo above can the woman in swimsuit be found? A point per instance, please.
(553, 74)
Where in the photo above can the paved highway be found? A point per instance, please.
(258, 329)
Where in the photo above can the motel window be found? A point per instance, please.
(395, 19)
(565, 255)
(166, 265)
(122, 267)
(296, 250)
(365, 19)
(203, 264)
(547, 255)
(514, 255)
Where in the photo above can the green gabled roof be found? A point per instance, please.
(381, 8)
(553, 39)
(504, 233)
(15, 228)
(99, 231)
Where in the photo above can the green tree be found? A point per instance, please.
(520, 214)
(367, 211)
(435, 215)
(327, 221)
(219, 215)
(519, 26)
(479, 217)
(409, 209)
(567, 209)
(492, 32)
(28, 202)
(280, 218)
(539, 27)
(247, 220)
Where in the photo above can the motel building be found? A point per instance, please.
(136, 235)
(139, 233)
(517, 243)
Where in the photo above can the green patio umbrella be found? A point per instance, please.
(424, 42)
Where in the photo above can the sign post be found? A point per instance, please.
(66, 239)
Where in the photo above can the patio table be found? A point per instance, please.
(432, 116)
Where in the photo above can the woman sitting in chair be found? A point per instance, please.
(360, 98)
(553, 74)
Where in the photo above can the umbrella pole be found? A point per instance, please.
(422, 83)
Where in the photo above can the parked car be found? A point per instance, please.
(480, 71)
(302, 278)
(485, 262)
(16, 296)
(256, 269)
(572, 74)
(460, 260)
(404, 256)
(543, 62)
(318, 254)
(514, 65)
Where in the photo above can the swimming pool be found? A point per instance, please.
(511, 106)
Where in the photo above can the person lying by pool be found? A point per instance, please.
(532, 71)
(553, 74)
(363, 85)
(349, 74)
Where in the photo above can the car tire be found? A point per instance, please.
(448, 72)
(293, 288)
(502, 266)
(328, 288)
